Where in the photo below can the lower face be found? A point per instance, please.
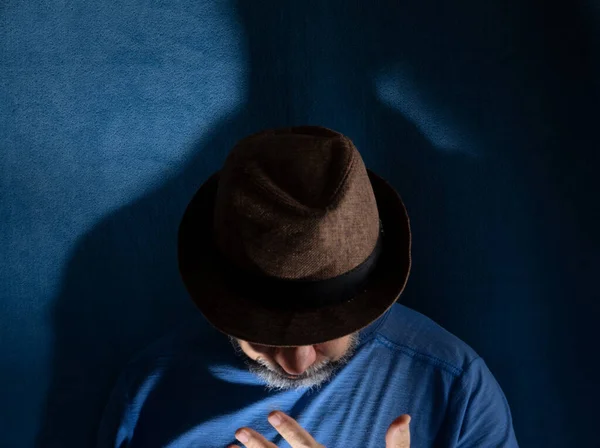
(276, 378)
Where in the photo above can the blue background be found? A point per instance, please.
(484, 115)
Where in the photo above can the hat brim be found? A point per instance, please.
(239, 317)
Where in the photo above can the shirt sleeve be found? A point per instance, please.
(482, 412)
(114, 430)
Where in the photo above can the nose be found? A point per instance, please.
(296, 360)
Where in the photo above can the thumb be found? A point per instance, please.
(396, 437)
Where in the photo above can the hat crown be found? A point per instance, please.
(295, 203)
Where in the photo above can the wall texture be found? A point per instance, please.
(482, 114)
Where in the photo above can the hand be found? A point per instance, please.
(298, 437)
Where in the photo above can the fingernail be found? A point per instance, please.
(274, 419)
(403, 427)
(242, 436)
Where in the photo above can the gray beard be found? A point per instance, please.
(314, 377)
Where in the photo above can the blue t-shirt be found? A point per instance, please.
(191, 390)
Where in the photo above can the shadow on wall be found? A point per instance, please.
(343, 65)
(122, 288)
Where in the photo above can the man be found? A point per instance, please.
(295, 254)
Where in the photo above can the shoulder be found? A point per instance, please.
(413, 334)
(184, 344)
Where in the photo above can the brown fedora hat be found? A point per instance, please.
(294, 241)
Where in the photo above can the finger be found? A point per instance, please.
(292, 432)
(398, 435)
(255, 439)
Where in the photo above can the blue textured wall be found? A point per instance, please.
(482, 114)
